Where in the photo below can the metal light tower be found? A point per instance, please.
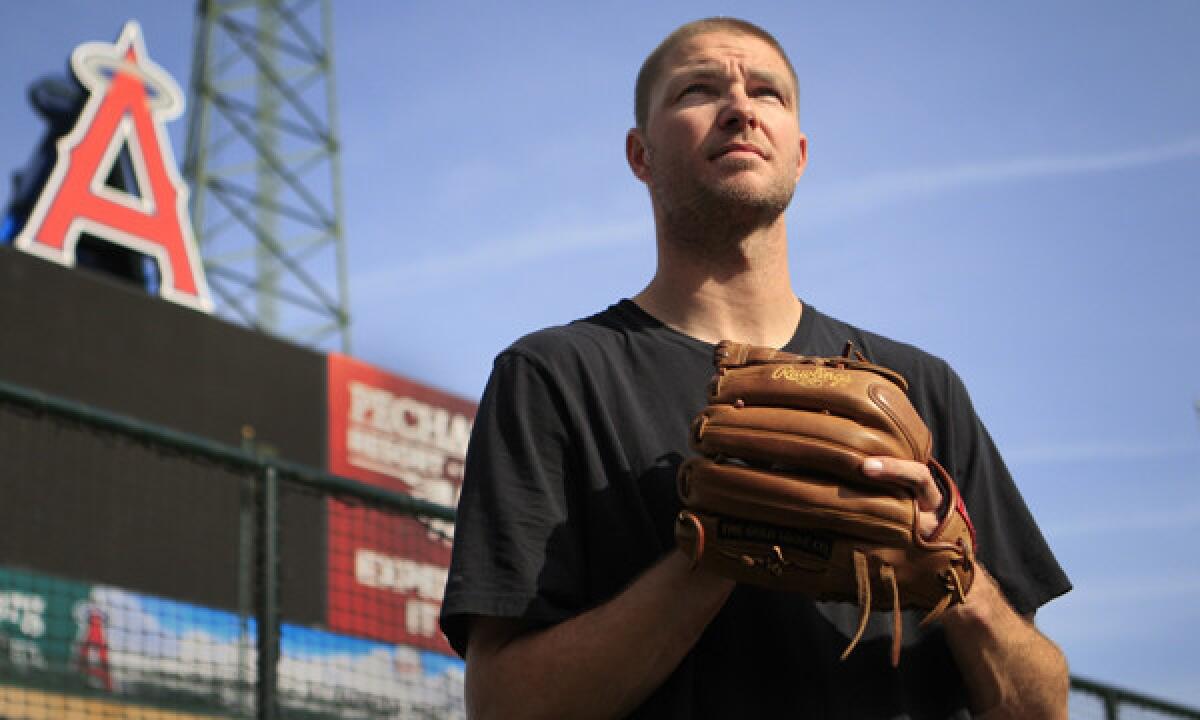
(263, 163)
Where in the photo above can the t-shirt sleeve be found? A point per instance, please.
(515, 555)
(1010, 544)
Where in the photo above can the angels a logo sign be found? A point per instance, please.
(130, 101)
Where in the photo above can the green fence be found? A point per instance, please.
(1092, 700)
(78, 643)
(91, 623)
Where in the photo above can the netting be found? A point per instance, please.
(382, 655)
(132, 574)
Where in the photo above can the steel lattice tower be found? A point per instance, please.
(263, 163)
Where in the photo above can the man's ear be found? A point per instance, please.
(802, 158)
(637, 154)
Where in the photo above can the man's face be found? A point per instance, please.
(722, 129)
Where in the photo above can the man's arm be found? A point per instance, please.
(600, 664)
(1011, 670)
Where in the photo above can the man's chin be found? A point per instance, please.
(729, 209)
(751, 194)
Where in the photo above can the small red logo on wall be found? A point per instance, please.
(131, 99)
(91, 648)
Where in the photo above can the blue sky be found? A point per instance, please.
(1014, 187)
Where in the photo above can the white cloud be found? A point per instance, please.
(497, 255)
(856, 196)
(1082, 619)
(1120, 589)
(1096, 451)
(1176, 518)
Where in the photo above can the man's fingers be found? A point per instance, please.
(909, 473)
(928, 523)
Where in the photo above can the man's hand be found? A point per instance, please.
(1011, 670)
(914, 474)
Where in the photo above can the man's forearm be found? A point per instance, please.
(1010, 668)
(602, 663)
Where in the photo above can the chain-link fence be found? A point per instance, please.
(135, 564)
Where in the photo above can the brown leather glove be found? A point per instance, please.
(779, 498)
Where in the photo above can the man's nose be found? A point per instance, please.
(739, 111)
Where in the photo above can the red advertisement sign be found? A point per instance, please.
(387, 572)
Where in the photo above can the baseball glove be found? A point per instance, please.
(778, 498)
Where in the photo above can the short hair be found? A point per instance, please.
(652, 67)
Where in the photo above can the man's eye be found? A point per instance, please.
(702, 88)
(769, 92)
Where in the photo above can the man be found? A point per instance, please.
(566, 592)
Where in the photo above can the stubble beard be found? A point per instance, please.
(713, 217)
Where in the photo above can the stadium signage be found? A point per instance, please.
(403, 436)
(72, 649)
(130, 100)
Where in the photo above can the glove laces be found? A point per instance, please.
(862, 577)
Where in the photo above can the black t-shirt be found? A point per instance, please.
(569, 495)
